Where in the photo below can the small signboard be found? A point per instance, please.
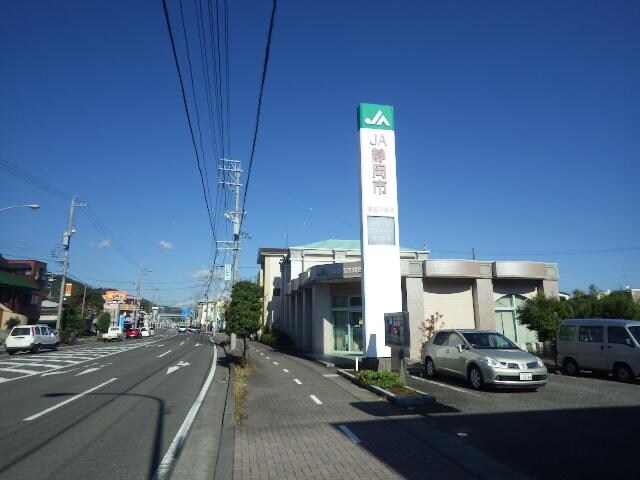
(396, 329)
(68, 288)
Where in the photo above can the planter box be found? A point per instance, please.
(420, 398)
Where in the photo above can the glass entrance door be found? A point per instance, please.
(347, 331)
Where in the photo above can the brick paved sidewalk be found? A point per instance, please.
(295, 428)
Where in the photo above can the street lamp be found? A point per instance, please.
(31, 206)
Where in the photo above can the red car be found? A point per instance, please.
(133, 333)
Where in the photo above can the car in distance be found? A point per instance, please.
(182, 328)
(113, 334)
(134, 333)
(601, 344)
(482, 357)
(31, 338)
(144, 332)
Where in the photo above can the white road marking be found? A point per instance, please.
(197, 344)
(462, 390)
(261, 353)
(275, 363)
(297, 381)
(16, 364)
(165, 466)
(58, 372)
(168, 351)
(181, 343)
(20, 370)
(285, 370)
(349, 433)
(88, 370)
(68, 400)
(316, 399)
(177, 366)
(267, 358)
(330, 375)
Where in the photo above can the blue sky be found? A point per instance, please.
(516, 124)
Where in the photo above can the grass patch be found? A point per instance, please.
(383, 379)
(240, 390)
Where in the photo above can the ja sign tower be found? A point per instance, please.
(381, 290)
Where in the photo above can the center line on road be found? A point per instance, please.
(168, 351)
(297, 381)
(349, 433)
(69, 400)
(88, 370)
(316, 399)
(261, 353)
(285, 370)
(181, 343)
(275, 363)
(267, 358)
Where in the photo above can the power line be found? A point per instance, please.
(186, 109)
(265, 64)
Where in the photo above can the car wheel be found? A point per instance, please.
(55, 346)
(11, 352)
(429, 368)
(622, 373)
(570, 367)
(475, 378)
(35, 348)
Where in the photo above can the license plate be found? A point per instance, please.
(526, 376)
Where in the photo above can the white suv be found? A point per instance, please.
(31, 338)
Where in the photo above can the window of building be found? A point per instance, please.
(276, 292)
(34, 299)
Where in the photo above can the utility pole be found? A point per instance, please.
(230, 177)
(143, 271)
(84, 297)
(66, 240)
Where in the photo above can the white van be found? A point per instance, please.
(31, 338)
(606, 345)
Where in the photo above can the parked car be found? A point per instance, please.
(152, 331)
(31, 338)
(134, 333)
(606, 345)
(144, 332)
(482, 357)
(114, 333)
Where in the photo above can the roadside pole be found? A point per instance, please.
(66, 241)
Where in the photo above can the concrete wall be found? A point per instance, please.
(451, 297)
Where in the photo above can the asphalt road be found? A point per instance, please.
(576, 427)
(137, 393)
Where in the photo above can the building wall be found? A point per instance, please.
(452, 298)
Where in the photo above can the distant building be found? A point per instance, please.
(312, 293)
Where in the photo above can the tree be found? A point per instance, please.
(619, 305)
(543, 315)
(244, 314)
(12, 322)
(104, 320)
(93, 302)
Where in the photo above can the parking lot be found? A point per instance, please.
(575, 427)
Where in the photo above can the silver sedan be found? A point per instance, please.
(482, 357)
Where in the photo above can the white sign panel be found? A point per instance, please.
(381, 290)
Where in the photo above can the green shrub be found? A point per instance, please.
(268, 339)
(383, 379)
(12, 322)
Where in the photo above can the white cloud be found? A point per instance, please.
(202, 274)
(104, 244)
(165, 245)
(185, 304)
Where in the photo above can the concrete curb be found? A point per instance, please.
(421, 398)
(225, 460)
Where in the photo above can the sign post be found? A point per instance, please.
(381, 290)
